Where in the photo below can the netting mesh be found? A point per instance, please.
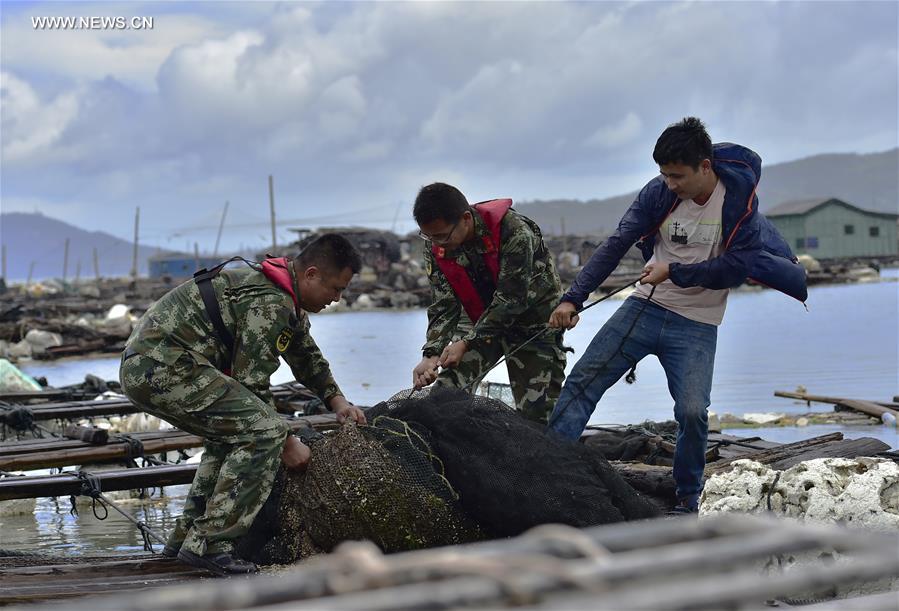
(437, 468)
(636, 442)
(379, 483)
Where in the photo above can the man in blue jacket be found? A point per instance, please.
(698, 227)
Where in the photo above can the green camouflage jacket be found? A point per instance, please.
(527, 290)
(261, 317)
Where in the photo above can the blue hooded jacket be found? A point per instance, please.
(753, 248)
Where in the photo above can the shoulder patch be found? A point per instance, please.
(283, 340)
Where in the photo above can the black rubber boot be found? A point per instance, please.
(221, 564)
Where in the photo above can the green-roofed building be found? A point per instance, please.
(829, 228)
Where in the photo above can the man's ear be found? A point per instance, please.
(312, 272)
(706, 165)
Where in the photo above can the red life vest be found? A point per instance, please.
(275, 269)
(492, 213)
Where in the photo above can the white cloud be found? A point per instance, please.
(346, 102)
(617, 134)
(130, 56)
(30, 126)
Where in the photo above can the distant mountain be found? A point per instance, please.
(34, 237)
(868, 181)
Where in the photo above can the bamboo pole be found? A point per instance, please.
(115, 450)
(30, 273)
(125, 479)
(65, 261)
(67, 452)
(96, 265)
(271, 202)
(136, 236)
(218, 237)
(196, 256)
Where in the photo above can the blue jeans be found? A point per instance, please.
(686, 350)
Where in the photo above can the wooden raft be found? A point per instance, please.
(682, 563)
(32, 579)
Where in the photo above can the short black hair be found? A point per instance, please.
(685, 142)
(331, 252)
(439, 201)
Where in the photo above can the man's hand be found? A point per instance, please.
(425, 372)
(564, 316)
(295, 454)
(346, 411)
(654, 273)
(452, 354)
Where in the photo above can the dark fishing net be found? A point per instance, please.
(379, 483)
(510, 474)
(437, 469)
(650, 442)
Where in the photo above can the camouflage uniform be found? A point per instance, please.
(170, 368)
(527, 291)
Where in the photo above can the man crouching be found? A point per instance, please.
(201, 358)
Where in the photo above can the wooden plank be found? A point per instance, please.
(49, 410)
(866, 407)
(153, 565)
(82, 409)
(113, 451)
(127, 479)
(120, 479)
(53, 591)
(846, 448)
(781, 452)
(27, 396)
(28, 446)
(894, 406)
(67, 452)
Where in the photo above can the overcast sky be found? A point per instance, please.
(353, 106)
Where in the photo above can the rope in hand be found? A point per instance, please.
(469, 387)
(90, 487)
(631, 376)
(505, 357)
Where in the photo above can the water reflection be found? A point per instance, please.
(52, 529)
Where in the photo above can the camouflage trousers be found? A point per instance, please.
(536, 371)
(243, 441)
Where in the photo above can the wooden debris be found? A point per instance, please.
(659, 564)
(46, 453)
(872, 408)
(778, 453)
(30, 583)
(122, 479)
(845, 448)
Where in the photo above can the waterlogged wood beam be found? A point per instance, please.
(122, 479)
(68, 452)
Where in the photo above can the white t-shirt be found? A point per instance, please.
(690, 234)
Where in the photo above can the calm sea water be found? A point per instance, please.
(846, 344)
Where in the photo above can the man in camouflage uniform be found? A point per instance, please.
(176, 367)
(483, 308)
